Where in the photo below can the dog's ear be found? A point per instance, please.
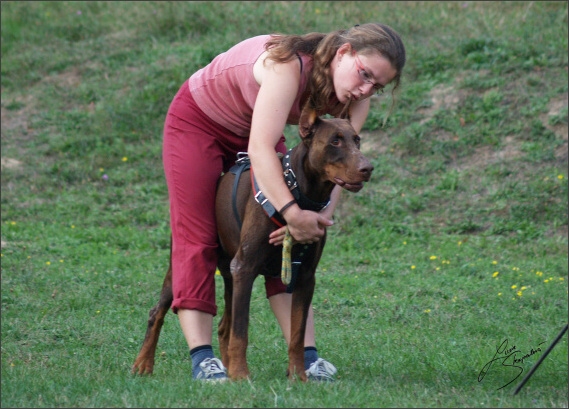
(308, 118)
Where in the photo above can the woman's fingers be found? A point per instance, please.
(277, 236)
(308, 228)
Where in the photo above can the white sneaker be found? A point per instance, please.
(321, 370)
(212, 370)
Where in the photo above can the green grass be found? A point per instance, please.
(458, 243)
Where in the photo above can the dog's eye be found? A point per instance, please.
(357, 140)
(336, 141)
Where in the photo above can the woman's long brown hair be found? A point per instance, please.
(366, 39)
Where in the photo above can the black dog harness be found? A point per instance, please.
(243, 164)
(290, 178)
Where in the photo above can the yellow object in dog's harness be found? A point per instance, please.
(286, 270)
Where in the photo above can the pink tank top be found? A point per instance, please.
(226, 89)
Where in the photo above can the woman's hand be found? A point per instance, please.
(305, 226)
(277, 237)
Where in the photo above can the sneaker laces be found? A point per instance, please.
(212, 369)
(321, 370)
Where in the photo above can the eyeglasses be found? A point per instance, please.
(366, 77)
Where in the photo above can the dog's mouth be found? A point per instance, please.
(352, 187)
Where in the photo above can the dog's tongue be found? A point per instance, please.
(356, 187)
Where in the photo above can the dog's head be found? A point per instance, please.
(334, 150)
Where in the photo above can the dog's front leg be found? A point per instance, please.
(301, 299)
(237, 352)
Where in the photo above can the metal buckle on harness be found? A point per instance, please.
(242, 157)
(291, 182)
(260, 193)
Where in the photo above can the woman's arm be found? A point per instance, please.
(279, 86)
(358, 114)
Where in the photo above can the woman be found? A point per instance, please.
(242, 101)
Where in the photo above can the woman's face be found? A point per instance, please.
(358, 76)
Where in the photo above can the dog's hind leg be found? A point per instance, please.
(144, 362)
(224, 327)
(237, 351)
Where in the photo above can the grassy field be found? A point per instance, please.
(454, 254)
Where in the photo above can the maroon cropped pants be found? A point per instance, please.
(196, 150)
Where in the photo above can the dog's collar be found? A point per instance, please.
(290, 178)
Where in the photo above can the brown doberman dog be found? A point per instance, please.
(328, 155)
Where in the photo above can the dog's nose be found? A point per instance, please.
(365, 169)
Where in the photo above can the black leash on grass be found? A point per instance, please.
(532, 370)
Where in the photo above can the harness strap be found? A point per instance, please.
(290, 178)
(302, 251)
(242, 164)
(273, 214)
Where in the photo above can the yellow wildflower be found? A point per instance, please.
(514, 287)
(495, 274)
